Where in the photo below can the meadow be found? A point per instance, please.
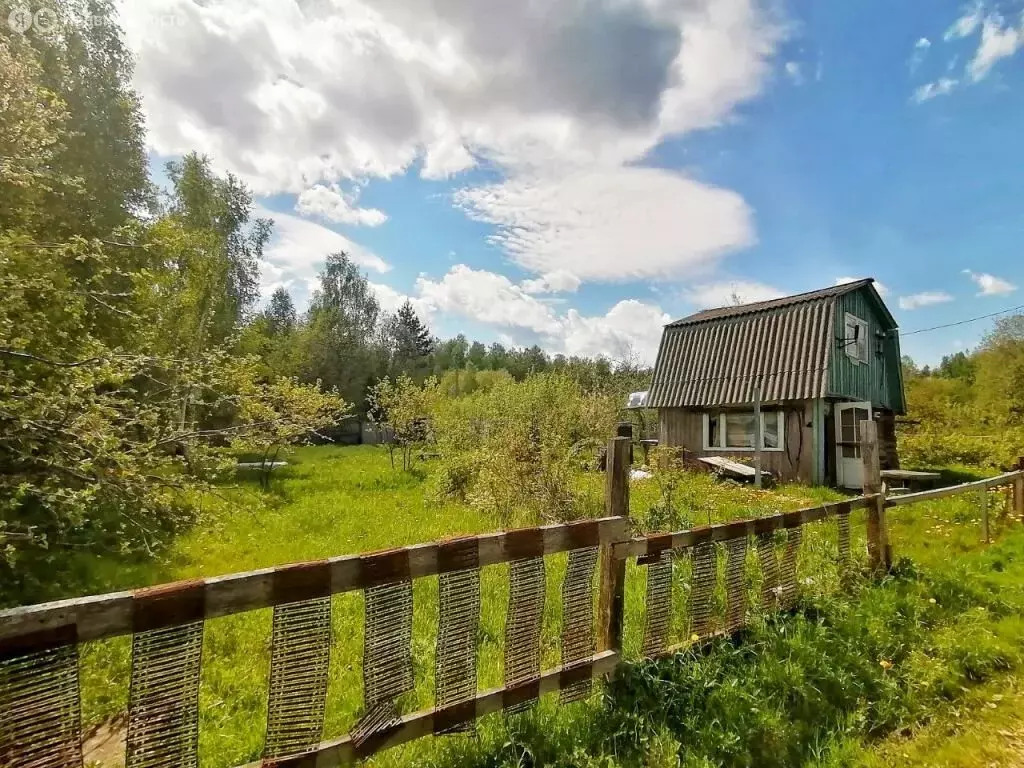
(805, 687)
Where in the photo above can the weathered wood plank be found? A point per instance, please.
(941, 493)
(611, 595)
(110, 615)
(415, 726)
(638, 547)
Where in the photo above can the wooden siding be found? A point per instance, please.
(879, 380)
(684, 428)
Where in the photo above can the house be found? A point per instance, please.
(818, 362)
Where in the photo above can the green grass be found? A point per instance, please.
(752, 703)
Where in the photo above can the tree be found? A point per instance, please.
(85, 64)
(400, 410)
(221, 208)
(338, 339)
(280, 313)
(408, 343)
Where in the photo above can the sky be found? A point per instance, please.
(576, 173)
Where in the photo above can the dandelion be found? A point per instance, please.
(885, 664)
(694, 637)
(931, 600)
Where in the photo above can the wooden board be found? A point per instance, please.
(730, 467)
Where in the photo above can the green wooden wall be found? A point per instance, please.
(879, 381)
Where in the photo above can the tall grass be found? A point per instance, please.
(789, 691)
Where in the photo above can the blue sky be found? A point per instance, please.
(577, 178)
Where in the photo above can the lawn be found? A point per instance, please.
(332, 501)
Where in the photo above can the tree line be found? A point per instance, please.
(970, 408)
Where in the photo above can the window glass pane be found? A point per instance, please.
(713, 433)
(771, 430)
(739, 430)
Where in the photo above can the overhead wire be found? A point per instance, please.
(962, 322)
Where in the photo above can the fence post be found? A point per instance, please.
(984, 516)
(1018, 491)
(879, 551)
(613, 572)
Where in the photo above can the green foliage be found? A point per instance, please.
(971, 409)
(513, 448)
(401, 410)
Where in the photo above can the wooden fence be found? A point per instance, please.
(39, 645)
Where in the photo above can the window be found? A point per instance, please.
(734, 431)
(855, 338)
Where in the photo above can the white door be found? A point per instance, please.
(849, 466)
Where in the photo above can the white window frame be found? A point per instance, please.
(853, 351)
(781, 422)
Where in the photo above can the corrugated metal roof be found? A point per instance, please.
(720, 313)
(719, 356)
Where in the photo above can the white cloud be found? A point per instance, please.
(925, 299)
(920, 52)
(329, 202)
(390, 300)
(559, 281)
(990, 285)
(998, 40)
(309, 94)
(488, 298)
(297, 252)
(794, 72)
(883, 290)
(967, 23)
(724, 293)
(928, 91)
(630, 329)
(612, 223)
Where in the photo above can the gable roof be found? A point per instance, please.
(720, 313)
(719, 356)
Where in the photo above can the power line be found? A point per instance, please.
(963, 322)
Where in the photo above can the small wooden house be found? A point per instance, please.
(817, 363)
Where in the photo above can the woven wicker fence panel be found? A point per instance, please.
(527, 590)
(387, 657)
(843, 525)
(658, 620)
(769, 560)
(40, 711)
(702, 588)
(789, 566)
(578, 642)
(299, 665)
(455, 673)
(735, 587)
(163, 711)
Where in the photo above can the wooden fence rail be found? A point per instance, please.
(39, 667)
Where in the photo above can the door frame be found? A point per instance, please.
(841, 480)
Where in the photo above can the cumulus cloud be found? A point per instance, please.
(329, 202)
(613, 223)
(559, 281)
(882, 289)
(925, 299)
(794, 72)
(629, 330)
(724, 293)
(390, 300)
(928, 91)
(297, 252)
(297, 97)
(990, 285)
